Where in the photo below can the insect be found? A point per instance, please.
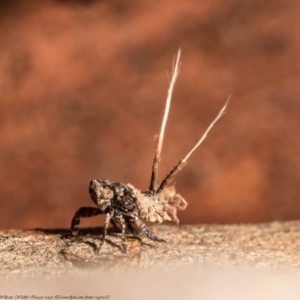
(125, 206)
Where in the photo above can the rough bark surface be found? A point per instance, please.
(48, 253)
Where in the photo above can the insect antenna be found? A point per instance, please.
(183, 161)
(175, 72)
(85, 184)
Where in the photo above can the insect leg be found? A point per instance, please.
(129, 223)
(113, 222)
(106, 223)
(83, 212)
(148, 233)
(123, 226)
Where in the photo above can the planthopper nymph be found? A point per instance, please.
(125, 206)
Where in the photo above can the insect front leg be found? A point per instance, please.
(109, 215)
(83, 212)
(116, 227)
(121, 220)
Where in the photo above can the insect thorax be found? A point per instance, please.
(112, 196)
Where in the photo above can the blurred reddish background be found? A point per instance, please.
(83, 87)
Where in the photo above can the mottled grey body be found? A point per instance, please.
(127, 207)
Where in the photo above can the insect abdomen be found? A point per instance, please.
(159, 207)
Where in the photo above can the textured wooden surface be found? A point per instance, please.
(45, 253)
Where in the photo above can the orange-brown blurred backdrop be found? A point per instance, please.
(83, 87)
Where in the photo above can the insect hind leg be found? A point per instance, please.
(139, 223)
(151, 235)
(148, 233)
